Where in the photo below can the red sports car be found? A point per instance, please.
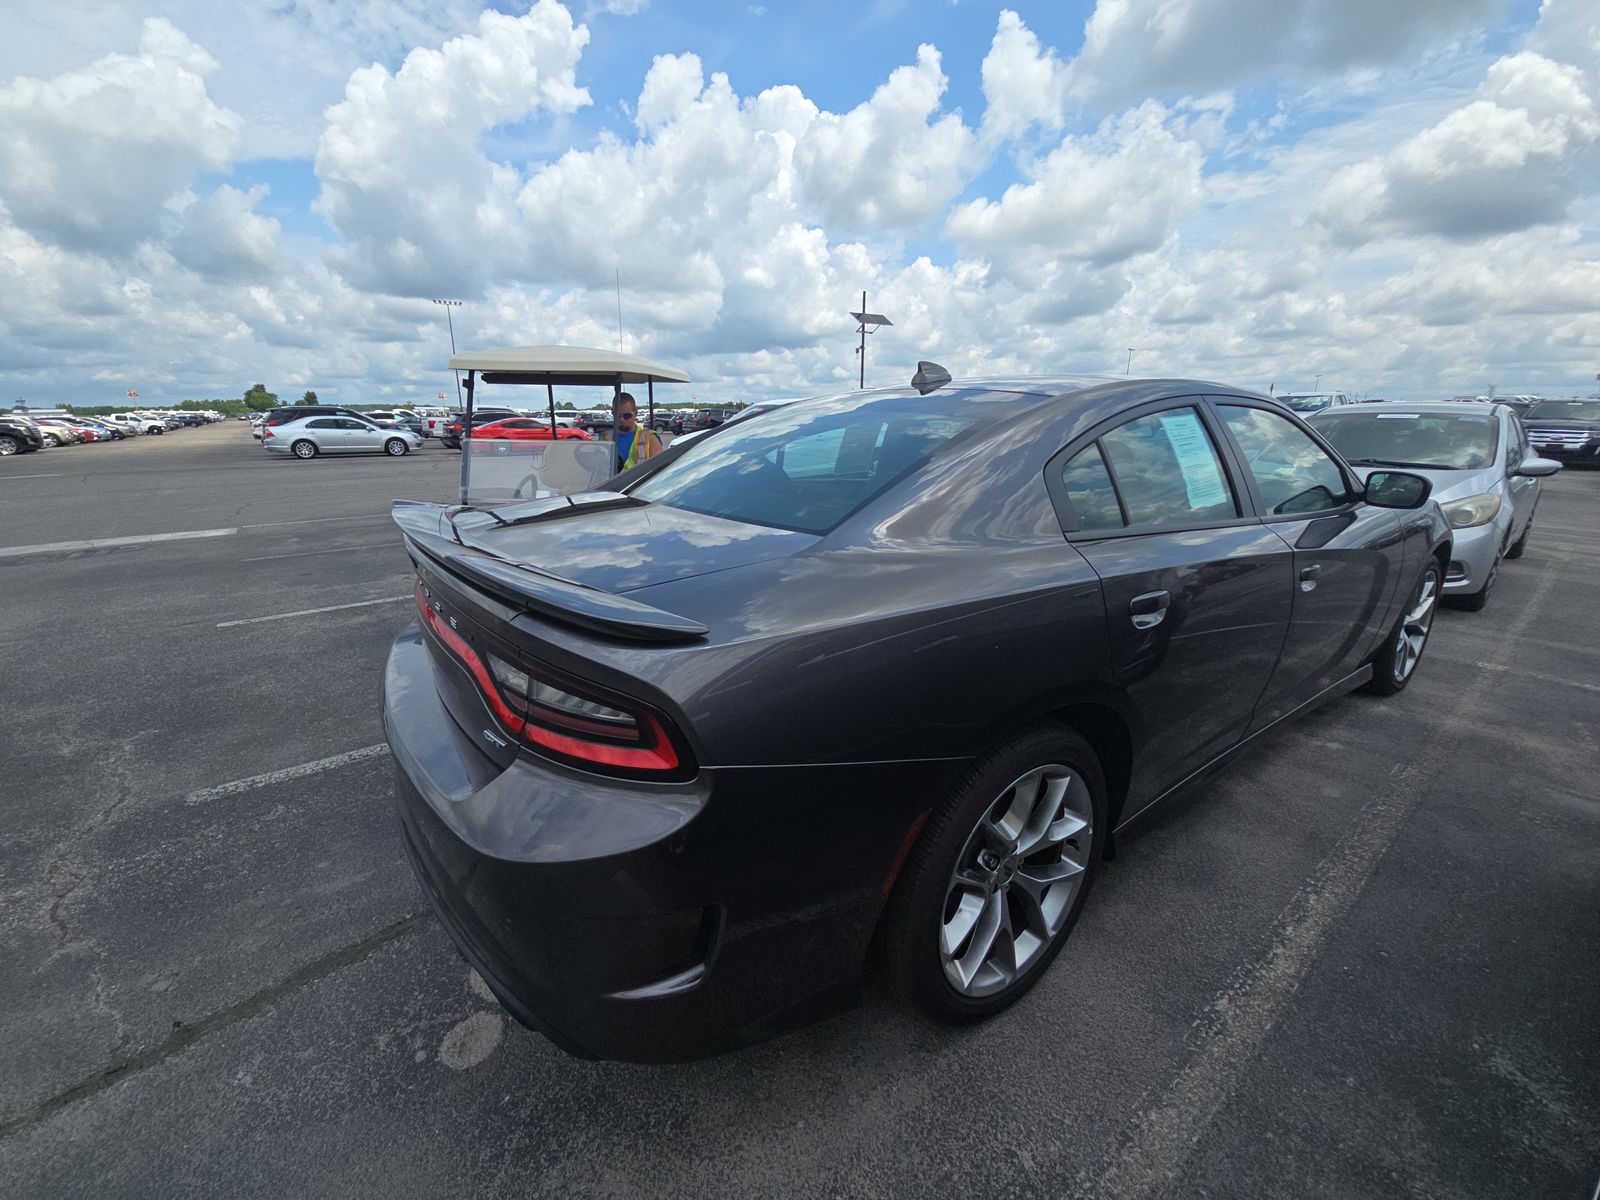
(524, 429)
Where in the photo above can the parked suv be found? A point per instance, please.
(707, 418)
(450, 434)
(1566, 430)
(19, 435)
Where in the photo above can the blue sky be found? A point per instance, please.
(1402, 198)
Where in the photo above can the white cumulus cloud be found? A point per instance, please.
(1134, 48)
(88, 158)
(1513, 158)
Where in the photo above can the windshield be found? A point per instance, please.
(1442, 441)
(808, 466)
(1564, 410)
(1306, 403)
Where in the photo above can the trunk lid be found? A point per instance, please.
(616, 544)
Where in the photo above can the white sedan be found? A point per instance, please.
(311, 436)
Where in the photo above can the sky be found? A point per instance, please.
(1396, 199)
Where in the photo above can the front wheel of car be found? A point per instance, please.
(304, 449)
(394, 447)
(1521, 544)
(995, 883)
(1396, 660)
(1480, 598)
(9, 446)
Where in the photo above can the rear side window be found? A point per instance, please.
(1088, 487)
(1167, 471)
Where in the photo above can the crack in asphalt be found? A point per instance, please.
(183, 1036)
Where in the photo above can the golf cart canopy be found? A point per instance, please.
(567, 365)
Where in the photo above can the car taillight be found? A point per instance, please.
(552, 717)
(266, 431)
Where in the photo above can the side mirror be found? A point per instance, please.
(1397, 489)
(1536, 468)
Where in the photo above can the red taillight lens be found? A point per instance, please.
(266, 431)
(552, 718)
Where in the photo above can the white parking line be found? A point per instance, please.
(311, 612)
(304, 769)
(1230, 1034)
(317, 520)
(99, 543)
(38, 475)
(1521, 673)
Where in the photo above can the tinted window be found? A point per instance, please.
(1447, 441)
(808, 466)
(1167, 470)
(1292, 473)
(1088, 488)
(322, 423)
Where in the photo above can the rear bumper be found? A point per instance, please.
(646, 922)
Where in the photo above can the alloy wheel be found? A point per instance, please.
(1015, 880)
(8, 446)
(1415, 626)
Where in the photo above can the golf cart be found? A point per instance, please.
(495, 472)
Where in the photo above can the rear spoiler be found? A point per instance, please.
(427, 530)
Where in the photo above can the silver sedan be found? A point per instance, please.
(311, 436)
(1484, 474)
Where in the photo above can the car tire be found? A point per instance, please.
(303, 449)
(502, 446)
(9, 446)
(950, 941)
(51, 439)
(1521, 544)
(1395, 661)
(395, 447)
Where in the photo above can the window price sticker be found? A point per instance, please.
(1202, 478)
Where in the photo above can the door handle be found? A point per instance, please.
(1310, 577)
(1149, 610)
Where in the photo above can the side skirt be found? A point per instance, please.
(1348, 684)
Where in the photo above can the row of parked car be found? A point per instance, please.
(23, 432)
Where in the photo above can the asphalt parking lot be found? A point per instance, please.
(1363, 962)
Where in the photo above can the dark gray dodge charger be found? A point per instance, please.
(864, 681)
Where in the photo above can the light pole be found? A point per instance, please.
(1317, 384)
(868, 323)
(1129, 367)
(448, 305)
